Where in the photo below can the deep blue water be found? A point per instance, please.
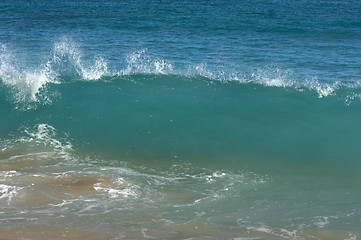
(171, 119)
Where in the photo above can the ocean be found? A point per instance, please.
(181, 119)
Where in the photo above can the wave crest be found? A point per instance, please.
(28, 86)
(67, 63)
(142, 62)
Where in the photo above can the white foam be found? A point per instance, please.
(322, 222)
(201, 70)
(275, 77)
(28, 84)
(25, 83)
(291, 234)
(9, 174)
(142, 62)
(211, 178)
(8, 192)
(67, 60)
(352, 237)
(45, 134)
(272, 77)
(130, 191)
(261, 229)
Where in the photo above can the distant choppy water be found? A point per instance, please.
(180, 120)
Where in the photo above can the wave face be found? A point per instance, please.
(180, 112)
(180, 120)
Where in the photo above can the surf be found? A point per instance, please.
(82, 138)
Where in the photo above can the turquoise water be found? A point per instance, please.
(180, 120)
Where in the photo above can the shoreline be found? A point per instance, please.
(182, 232)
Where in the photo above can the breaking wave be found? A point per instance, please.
(66, 63)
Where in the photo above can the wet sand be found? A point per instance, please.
(40, 191)
(40, 232)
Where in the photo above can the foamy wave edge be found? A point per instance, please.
(28, 86)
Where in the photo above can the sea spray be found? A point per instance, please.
(66, 62)
(30, 86)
